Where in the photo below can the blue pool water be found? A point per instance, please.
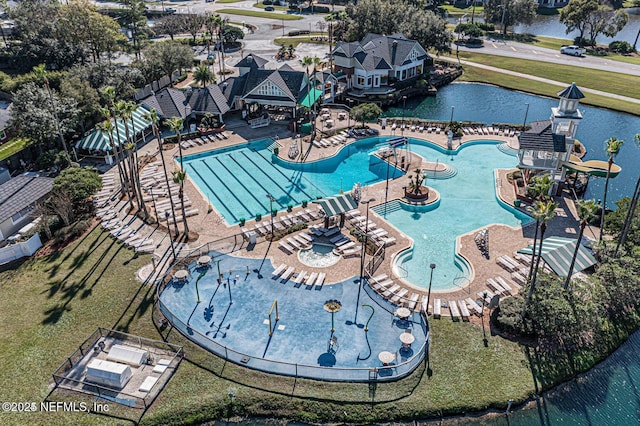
(468, 202)
(236, 180)
(235, 315)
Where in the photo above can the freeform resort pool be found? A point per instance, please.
(236, 181)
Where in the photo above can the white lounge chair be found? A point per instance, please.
(399, 295)
(453, 308)
(286, 246)
(290, 270)
(279, 270)
(464, 312)
(474, 305)
(437, 306)
(300, 277)
(312, 278)
(388, 292)
(320, 279)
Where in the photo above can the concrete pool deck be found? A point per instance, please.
(504, 240)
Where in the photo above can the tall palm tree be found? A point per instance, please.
(175, 124)
(539, 188)
(152, 116)
(612, 148)
(41, 72)
(586, 210)
(543, 212)
(632, 208)
(220, 24)
(109, 95)
(306, 62)
(203, 75)
(130, 108)
(107, 127)
(123, 112)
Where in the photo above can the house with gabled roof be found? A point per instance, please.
(377, 61)
(255, 85)
(208, 100)
(18, 197)
(168, 102)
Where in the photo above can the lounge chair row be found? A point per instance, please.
(129, 236)
(285, 272)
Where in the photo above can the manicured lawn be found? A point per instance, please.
(617, 83)
(50, 305)
(535, 87)
(258, 14)
(452, 10)
(11, 147)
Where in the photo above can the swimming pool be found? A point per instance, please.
(237, 179)
(467, 202)
(281, 327)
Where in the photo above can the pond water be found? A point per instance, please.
(490, 104)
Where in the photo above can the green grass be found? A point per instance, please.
(456, 11)
(258, 14)
(617, 83)
(51, 304)
(525, 85)
(11, 147)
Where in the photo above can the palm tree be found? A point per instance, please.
(131, 108)
(203, 75)
(543, 213)
(41, 72)
(539, 188)
(306, 62)
(152, 116)
(586, 210)
(175, 124)
(123, 112)
(109, 95)
(632, 208)
(612, 148)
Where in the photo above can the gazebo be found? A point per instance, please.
(557, 252)
(98, 140)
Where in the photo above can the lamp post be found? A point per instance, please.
(271, 200)
(404, 105)
(524, 123)
(451, 118)
(504, 10)
(173, 251)
(366, 238)
(432, 266)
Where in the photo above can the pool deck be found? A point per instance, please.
(210, 226)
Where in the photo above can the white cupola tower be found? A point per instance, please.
(566, 116)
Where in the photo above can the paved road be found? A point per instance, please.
(526, 51)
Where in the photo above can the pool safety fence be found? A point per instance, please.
(336, 374)
(70, 374)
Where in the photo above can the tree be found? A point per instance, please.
(231, 34)
(152, 116)
(321, 25)
(203, 75)
(81, 24)
(99, 75)
(468, 30)
(43, 116)
(164, 58)
(543, 212)
(133, 19)
(79, 182)
(179, 176)
(85, 96)
(390, 17)
(539, 190)
(171, 25)
(575, 16)
(366, 112)
(606, 21)
(306, 62)
(612, 148)
(193, 24)
(586, 210)
(508, 13)
(632, 208)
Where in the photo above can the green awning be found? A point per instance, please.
(557, 252)
(311, 97)
(334, 206)
(99, 140)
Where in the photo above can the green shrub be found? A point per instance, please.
(486, 27)
(267, 2)
(621, 47)
(72, 231)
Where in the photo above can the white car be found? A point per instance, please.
(573, 50)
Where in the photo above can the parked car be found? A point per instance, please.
(211, 56)
(269, 8)
(171, 10)
(573, 50)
